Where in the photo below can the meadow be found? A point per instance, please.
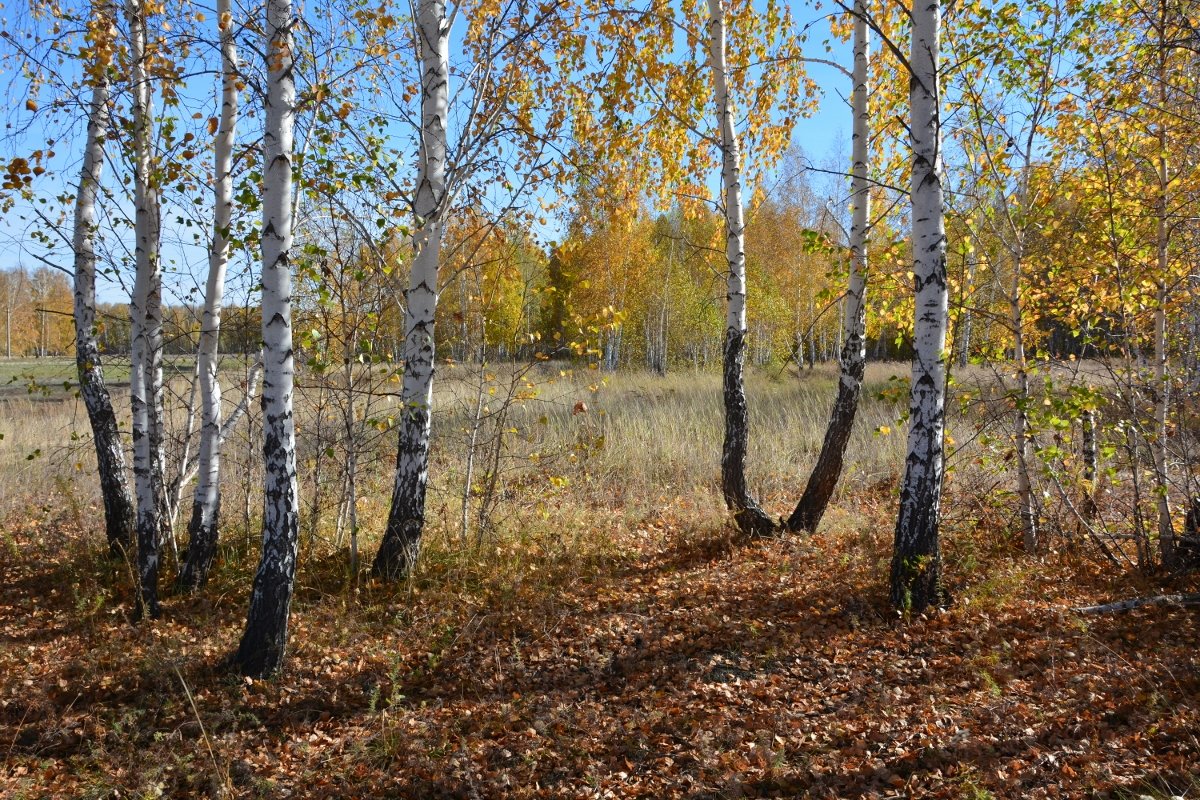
(597, 629)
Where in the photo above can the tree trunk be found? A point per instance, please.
(916, 560)
(206, 502)
(1091, 465)
(749, 517)
(853, 360)
(145, 376)
(1021, 439)
(119, 512)
(1162, 387)
(967, 318)
(401, 543)
(263, 644)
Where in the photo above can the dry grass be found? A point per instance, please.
(644, 440)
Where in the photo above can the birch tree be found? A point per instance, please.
(749, 516)
(916, 558)
(400, 547)
(853, 358)
(145, 373)
(263, 644)
(206, 502)
(1161, 26)
(119, 512)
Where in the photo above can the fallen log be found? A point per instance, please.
(1122, 606)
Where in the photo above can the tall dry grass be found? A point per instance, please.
(568, 481)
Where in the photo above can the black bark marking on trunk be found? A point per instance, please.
(401, 545)
(148, 531)
(750, 518)
(264, 642)
(916, 574)
(201, 549)
(828, 469)
(120, 514)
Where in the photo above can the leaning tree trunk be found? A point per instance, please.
(749, 517)
(401, 543)
(119, 512)
(206, 502)
(265, 639)
(825, 474)
(916, 560)
(145, 374)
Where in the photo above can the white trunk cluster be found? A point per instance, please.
(747, 513)
(406, 519)
(206, 502)
(145, 376)
(916, 560)
(263, 644)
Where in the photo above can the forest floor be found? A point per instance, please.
(676, 661)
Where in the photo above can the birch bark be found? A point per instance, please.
(206, 502)
(145, 376)
(853, 357)
(750, 518)
(401, 545)
(264, 641)
(119, 512)
(916, 559)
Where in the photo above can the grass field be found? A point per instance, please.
(607, 635)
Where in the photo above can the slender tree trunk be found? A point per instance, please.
(663, 313)
(401, 543)
(263, 644)
(206, 502)
(119, 512)
(1162, 387)
(749, 516)
(145, 379)
(812, 334)
(916, 561)
(1021, 439)
(964, 339)
(853, 362)
(1091, 464)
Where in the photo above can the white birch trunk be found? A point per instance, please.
(853, 360)
(1021, 439)
(264, 642)
(401, 543)
(916, 560)
(145, 377)
(119, 512)
(749, 516)
(206, 502)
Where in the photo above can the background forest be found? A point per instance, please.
(497, 399)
